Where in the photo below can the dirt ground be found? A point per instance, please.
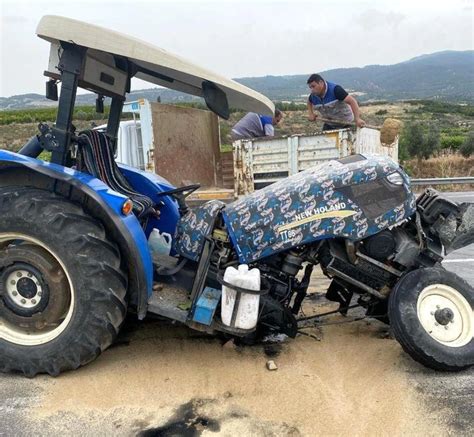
(161, 379)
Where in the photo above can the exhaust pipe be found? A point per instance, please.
(32, 148)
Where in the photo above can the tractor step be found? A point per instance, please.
(170, 302)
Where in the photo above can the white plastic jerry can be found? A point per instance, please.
(247, 313)
(159, 243)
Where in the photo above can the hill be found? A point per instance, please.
(447, 76)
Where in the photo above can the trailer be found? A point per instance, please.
(262, 161)
(254, 163)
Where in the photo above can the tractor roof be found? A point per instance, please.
(153, 64)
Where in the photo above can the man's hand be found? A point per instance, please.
(311, 115)
(355, 110)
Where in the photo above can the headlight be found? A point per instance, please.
(395, 178)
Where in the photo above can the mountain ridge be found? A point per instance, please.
(447, 75)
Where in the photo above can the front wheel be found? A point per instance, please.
(431, 312)
(62, 292)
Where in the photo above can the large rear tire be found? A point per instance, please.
(431, 313)
(62, 292)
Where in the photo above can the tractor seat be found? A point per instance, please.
(95, 156)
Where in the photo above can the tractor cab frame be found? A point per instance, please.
(104, 62)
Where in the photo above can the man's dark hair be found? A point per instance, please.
(314, 78)
(277, 112)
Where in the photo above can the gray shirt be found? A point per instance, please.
(251, 126)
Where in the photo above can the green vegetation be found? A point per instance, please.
(45, 155)
(226, 141)
(467, 148)
(48, 114)
(84, 113)
(453, 142)
(439, 107)
(431, 127)
(420, 141)
(290, 106)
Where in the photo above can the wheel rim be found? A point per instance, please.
(29, 295)
(446, 315)
(24, 289)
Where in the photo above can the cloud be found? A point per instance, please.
(13, 19)
(245, 38)
(373, 18)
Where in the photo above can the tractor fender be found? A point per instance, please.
(99, 201)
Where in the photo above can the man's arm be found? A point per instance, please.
(311, 115)
(355, 110)
(269, 130)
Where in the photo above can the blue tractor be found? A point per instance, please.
(74, 253)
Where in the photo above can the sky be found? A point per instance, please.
(245, 38)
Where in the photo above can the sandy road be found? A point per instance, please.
(162, 379)
(353, 382)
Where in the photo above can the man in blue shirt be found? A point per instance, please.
(255, 125)
(333, 102)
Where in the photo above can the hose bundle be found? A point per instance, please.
(95, 156)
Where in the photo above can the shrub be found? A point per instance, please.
(419, 141)
(225, 134)
(467, 148)
(290, 106)
(452, 141)
(440, 107)
(37, 115)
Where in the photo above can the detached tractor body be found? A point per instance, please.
(75, 232)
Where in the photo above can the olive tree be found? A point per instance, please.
(467, 148)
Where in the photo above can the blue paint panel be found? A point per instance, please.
(150, 185)
(111, 198)
(254, 222)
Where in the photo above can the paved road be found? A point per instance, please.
(462, 260)
(465, 196)
(462, 263)
(159, 376)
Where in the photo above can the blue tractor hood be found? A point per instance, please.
(348, 198)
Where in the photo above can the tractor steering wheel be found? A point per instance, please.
(180, 195)
(184, 191)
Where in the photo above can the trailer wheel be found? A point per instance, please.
(431, 313)
(62, 292)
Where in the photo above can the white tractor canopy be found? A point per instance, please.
(101, 74)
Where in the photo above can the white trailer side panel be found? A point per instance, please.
(261, 161)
